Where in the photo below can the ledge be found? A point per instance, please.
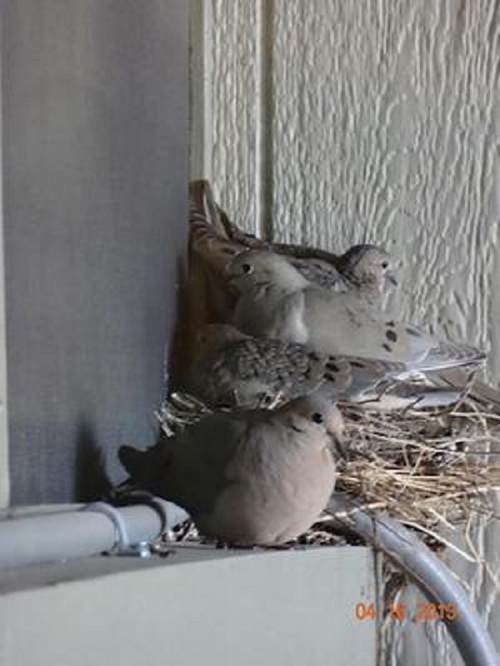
(198, 604)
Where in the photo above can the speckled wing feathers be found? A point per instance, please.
(247, 371)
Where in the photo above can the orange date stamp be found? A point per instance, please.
(424, 611)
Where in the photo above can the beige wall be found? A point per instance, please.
(333, 122)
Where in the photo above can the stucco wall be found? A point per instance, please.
(333, 122)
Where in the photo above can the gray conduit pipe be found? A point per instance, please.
(87, 530)
(427, 570)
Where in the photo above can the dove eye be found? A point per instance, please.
(385, 264)
(317, 417)
(246, 268)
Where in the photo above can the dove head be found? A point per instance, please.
(368, 266)
(315, 414)
(211, 338)
(256, 268)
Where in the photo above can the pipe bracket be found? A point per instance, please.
(122, 545)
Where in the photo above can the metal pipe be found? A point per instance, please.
(427, 570)
(50, 537)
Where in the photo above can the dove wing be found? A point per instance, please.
(346, 324)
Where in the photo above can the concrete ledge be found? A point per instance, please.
(197, 605)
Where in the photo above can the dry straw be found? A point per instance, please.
(428, 468)
(432, 469)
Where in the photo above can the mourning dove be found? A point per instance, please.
(276, 301)
(234, 369)
(216, 240)
(256, 477)
(362, 267)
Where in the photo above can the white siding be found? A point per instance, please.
(333, 122)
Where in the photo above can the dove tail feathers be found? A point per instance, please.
(446, 355)
(145, 466)
(485, 394)
(477, 389)
(132, 460)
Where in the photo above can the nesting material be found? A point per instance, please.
(431, 469)
(428, 468)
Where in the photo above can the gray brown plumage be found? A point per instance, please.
(276, 301)
(233, 369)
(255, 477)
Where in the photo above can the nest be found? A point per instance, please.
(433, 469)
(427, 468)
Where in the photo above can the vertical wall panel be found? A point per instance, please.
(234, 76)
(382, 129)
(382, 125)
(95, 197)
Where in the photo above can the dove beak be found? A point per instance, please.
(392, 278)
(339, 445)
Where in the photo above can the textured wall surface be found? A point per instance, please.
(95, 164)
(333, 122)
(376, 121)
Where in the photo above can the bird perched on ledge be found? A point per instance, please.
(276, 301)
(256, 477)
(233, 369)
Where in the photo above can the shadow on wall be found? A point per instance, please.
(91, 479)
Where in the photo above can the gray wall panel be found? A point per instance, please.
(95, 180)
